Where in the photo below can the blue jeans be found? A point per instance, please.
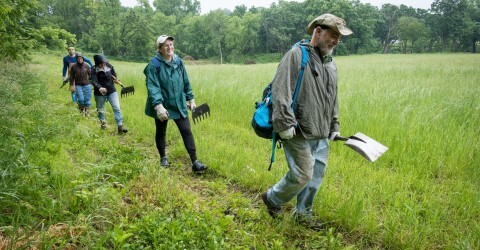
(307, 163)
(113, 99)
(84, 95)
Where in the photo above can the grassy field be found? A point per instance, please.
(64, 183)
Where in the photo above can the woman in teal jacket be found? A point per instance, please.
(169, 97)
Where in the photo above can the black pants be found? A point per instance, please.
(183, 125)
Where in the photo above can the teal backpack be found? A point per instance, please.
(262, 117)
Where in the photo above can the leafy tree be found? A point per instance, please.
(178, 8)
(16, 38)
(242, 35)
(107, 31)
(410, 29)
(240, 10)
(193, 36)
(233, 38)
(71, 15)
(389, 15)
(134, 44)
(217, 27)
(282, 25)
(250, 32)
(471, 34)
(361, 20)
(450, 15)
(105, 26)
(21, 30)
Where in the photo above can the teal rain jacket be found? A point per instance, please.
(169, 85)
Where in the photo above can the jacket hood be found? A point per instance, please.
(99, 59)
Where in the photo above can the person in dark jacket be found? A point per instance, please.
(80, 84)
(104, 78)
(305, 131)
(169, 97)
(68, 61)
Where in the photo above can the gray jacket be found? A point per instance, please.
(316, 108)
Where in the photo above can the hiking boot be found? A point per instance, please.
(103, 126)
(273, 210)
(86, 112)
(309, 222)
(164, 162)
(122, 130)
(82, 110)
(198, 167)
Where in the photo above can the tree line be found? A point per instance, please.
(129, 32)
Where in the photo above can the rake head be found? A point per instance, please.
(130, 90)
(200, 112)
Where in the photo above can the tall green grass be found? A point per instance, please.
(421, 194)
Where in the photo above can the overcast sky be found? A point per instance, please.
(208, 5)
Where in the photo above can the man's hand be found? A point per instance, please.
(72, 88)
(191, 104)
(287, 134)
(332, 135)
(103, 91)
(162, 113)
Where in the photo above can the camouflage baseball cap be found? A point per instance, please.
(333, 22)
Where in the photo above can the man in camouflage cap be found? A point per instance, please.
(305, 131)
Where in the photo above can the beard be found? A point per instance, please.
(324, 49)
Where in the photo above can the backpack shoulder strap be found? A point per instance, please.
(300, 74)
(156, 63)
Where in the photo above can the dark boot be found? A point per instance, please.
(103, 125)
(309, 222)
(198, 167)
(164, 162)
(122, 130)
(272, 209)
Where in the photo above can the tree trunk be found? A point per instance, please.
(474, 46)
(221, 54)
(386, 45)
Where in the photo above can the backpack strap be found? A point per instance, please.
(300, 74)
(156, 63)
(295, 94)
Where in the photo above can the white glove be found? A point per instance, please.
(332, 135)
(191, 104)
(287, 134)
(103, 91)
(162, 113)
(64, 78)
